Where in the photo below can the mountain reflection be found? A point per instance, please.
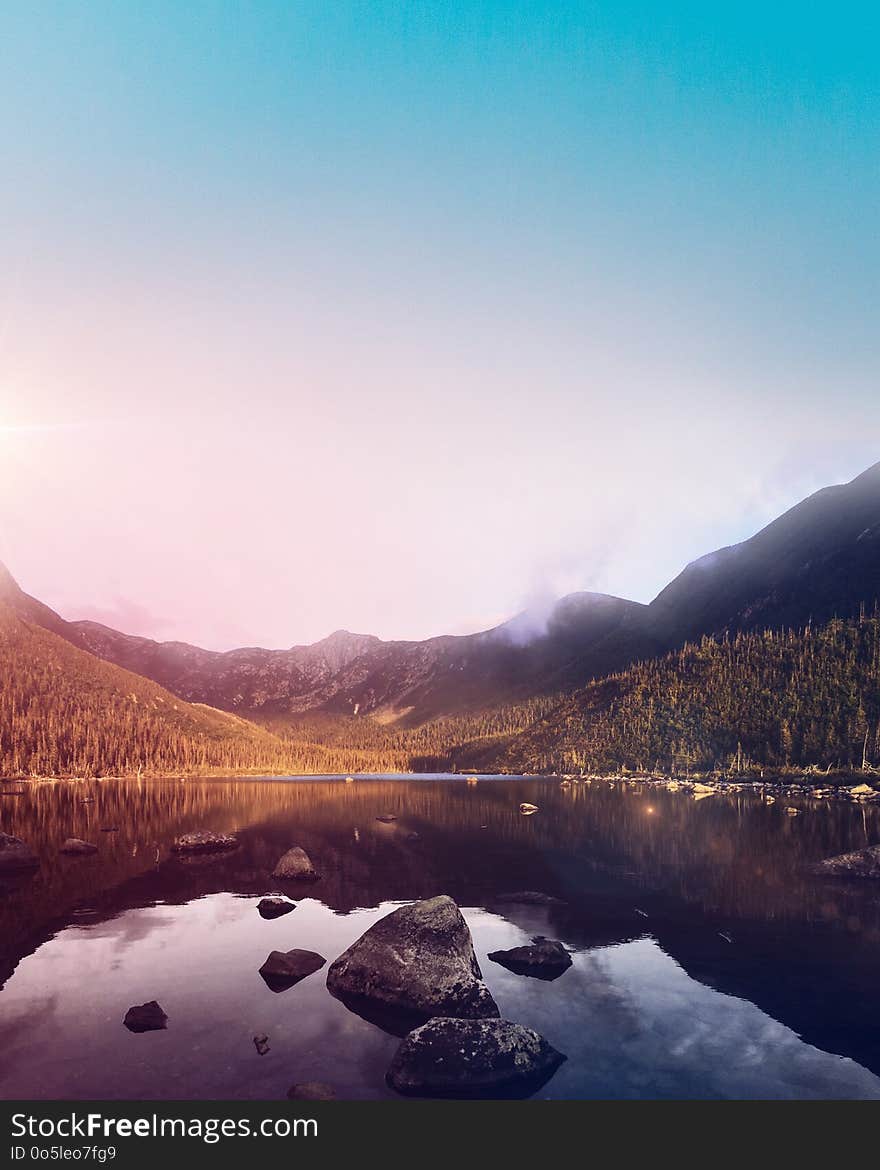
(720, 883)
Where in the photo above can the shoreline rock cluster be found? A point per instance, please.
(699, 788)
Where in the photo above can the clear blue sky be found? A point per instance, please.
(395, 316)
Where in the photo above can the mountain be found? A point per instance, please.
(65, 712)
(800, 698)
(819, 560)
(357, 674)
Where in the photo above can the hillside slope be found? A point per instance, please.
(819, 560)
(799, 699)
(65, 712)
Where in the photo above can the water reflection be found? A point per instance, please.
(703, 952)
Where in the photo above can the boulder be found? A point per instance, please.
(531, 898)
(544, 959)
(414, 963)
(296, 865)
(148, 1017)
(274, 907)
(311, 1091)
(863, 863)
(472, 1058)
(863, 792)
(527, 809)
(283, 969)
(15, 854)
(204, 841)
(74, 846)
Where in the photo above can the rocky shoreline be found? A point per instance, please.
(701, 786)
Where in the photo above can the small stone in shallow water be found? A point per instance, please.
(274, 907)
(15, 854)
(148, 1017)
(283, 969)
(472, 1058)
(296, 865)
(311, 1091)
(531, 898)
(74, 846)
(204, 841)
(544, 959)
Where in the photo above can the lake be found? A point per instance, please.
(706, 962)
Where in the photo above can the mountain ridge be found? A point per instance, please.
(819, 559)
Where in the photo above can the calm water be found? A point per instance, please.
(705, 963)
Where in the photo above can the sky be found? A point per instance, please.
(402, 317)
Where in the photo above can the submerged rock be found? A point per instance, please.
(863, 863)
(204, 841)
(15, 854)
(311, 1091)
(531, 898)
(283, 969)
(296, 864)
(472, 1058)
(73, 845)
(274, 907)
(386, 818)
(261, 1043)
(544, 959)
(416, 962)
(148, 1017)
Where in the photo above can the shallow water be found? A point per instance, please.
(706, 963)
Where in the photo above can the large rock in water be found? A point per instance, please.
(864, 863)
(204, 841)
(15, 854)
(544, 959)
(296, 864)
(415, 963)
(285, 968)
(472, 1058)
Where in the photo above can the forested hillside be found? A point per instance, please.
(65, 712)
(791, 699)
(800, 699)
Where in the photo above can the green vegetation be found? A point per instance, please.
(776, 700)
(64, 712)
(766, 700)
